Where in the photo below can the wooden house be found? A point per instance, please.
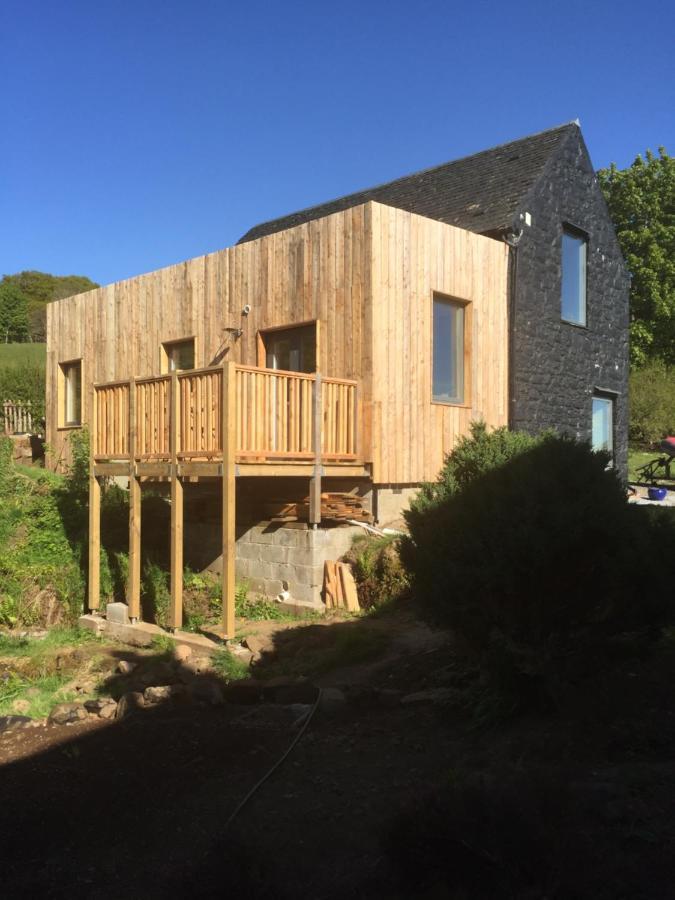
(344, 348)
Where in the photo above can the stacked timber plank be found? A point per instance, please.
(339, 587)
(334, 506)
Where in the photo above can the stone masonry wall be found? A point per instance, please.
(557, 366)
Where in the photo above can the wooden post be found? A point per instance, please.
(315, 480)
(229, 436)
(176, 552)
(134, 583)
(94, 581)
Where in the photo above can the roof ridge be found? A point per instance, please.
(420, 172)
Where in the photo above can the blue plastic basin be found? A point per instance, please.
(657, 493)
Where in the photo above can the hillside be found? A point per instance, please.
(35, 290)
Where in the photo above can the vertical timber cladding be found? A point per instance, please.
(318, 270)
(413, 257)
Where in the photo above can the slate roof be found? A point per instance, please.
(479, 193)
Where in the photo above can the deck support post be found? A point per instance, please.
(134, 581)
(229, 537)
(94, 579)
(176, 548)
(315, 480)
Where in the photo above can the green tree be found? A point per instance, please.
(41, 288)
(641, 201)
(13, 314)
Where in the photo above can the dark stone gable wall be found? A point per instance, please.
(557, 366)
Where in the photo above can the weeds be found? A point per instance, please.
(227, 666)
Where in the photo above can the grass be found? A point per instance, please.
(12, 355)
(38, 687)
(638, 458)
(228, 666)
(43, 648)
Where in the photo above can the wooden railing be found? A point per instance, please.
(17, 418)
(276, 416)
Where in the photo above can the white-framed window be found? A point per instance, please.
(602, 430)
(449, 334)
(178, 355)
(71, 393)
(573, 261)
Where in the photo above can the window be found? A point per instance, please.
(71, 393)
(178, 355)
(292, 349)
(448, 351)
(603, 424)
(574, 246)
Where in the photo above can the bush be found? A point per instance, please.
(25, 383)
(652, 403)
(537, 562)
(378, 572)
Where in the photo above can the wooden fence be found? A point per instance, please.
(17, 418)
(275, 416)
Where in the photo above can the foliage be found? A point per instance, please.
(538, 562)
(258, 609)
(13, 313)
(652, 402)
(36, 290)
(379, 575)
(473, 456)
(228, 666)
(25, 383)
(641, 201)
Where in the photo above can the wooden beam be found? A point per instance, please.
(201, 470)
(94, 580)
(229, 426)
(315, 480)
(176, 554)
(111, 469)
(153, 470)
(134, 581)
(176, 549)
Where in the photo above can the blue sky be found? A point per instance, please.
(138, 134)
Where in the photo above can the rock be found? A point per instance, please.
(332, 701)
(21, 706)
(290, 690)
(242, 653)
(157, 694)
(207, 691)
(129, 703)
(197, 665)
(259, 644)
(9, 723)
(117, 613)
(389, 697)
(182, 652)
(246, 691)
(440, 695)
(67, 714)
(103, 707)
(124, 667)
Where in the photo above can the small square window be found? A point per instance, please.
(448, 351)
(603, 424)
(178, 355)
(71, 393)
(574, 252)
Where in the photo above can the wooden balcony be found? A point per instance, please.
(272, 418)
(218, 422)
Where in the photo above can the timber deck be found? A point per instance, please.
(220, 422)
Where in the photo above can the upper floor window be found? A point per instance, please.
(574, 250)
(292, 349)
(178, 355)
(448, 351)
(71, 393)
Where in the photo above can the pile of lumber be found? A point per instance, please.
(339, 587)
(334, 506)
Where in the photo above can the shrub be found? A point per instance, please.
(535, 563)
(652, 403)
(378, 572)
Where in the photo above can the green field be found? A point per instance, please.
(12, 355)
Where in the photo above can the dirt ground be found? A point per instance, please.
(138, 807)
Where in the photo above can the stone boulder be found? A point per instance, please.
(67, 714)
